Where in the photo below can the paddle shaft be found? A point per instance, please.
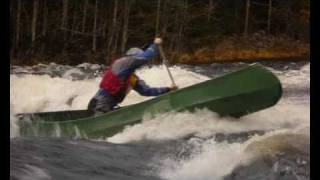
(164, 59)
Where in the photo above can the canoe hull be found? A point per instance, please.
(236, 94)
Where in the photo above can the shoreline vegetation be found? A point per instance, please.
(194, 31)
(258, 47)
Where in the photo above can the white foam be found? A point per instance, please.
(157, 76)
(204, 122)
(287, 114)
(33, 172)
(39, 93)
(210, 160)
(14, 128)
(68, 74)
(294, 78)
(34, 93)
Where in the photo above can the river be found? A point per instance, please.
(269, 144)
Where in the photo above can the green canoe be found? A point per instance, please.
(236, 94)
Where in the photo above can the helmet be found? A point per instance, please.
(134, 51)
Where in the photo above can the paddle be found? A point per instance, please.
(165, 61)
(157, 34)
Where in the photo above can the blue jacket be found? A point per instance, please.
(118, 78)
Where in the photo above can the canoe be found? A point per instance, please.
(235, 94)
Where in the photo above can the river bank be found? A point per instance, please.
(255, 48)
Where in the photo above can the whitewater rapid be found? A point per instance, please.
(209, 159)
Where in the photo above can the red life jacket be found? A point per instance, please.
(115, 86)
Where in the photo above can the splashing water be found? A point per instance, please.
(14, 128)
(215, 159)
(49, 94)
(289, 115)
(209, 159)
(165, 127)
(40, 93)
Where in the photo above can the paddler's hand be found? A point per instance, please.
(173, 88)
(158, 41)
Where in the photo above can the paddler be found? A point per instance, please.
(120, 78)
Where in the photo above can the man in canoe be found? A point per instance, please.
(120, 78)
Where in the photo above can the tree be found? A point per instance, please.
(210, 9)
(34, 22)
(269, 16)
(45, 14)
(126, 16)
(245, 32)
(18, 23)
(112, 30)
(181, 26)
(65, 30)
(94, 34)
(64, 20)
(84, 17)
(157, 18)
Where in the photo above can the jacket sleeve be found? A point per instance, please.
(145, 90)
(149, 53)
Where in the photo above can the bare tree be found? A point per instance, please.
(44, 24)
(74, 21)
(178, 25)
(245, 32)
(84, 15)
(112, 29)
(164, 19)
(64, 14)
(210, 9)
(18, 23)
(157, 18)
(34, 22)
(94, 37)
(45, 14)
(104, 27)
(116, 39)
(181, 26)
(173, 38)
(64, 18)
(125, 25)
(269, 16)
(236, 15)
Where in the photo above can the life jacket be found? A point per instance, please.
(117, 87)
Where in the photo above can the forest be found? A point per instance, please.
(194, 31)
